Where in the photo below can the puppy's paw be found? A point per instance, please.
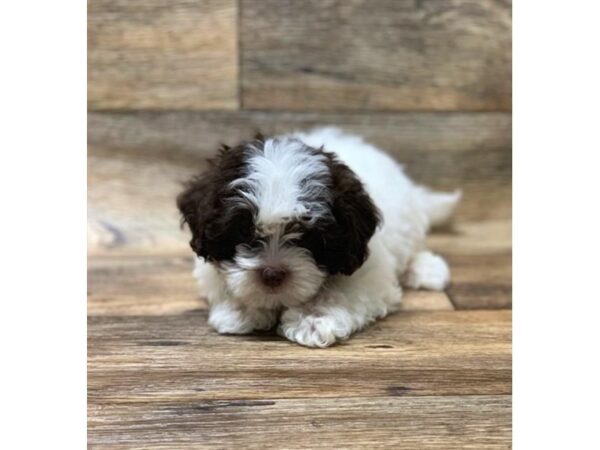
(310, 330)
(427, 271)
(229, 320)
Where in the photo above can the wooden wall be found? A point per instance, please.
(427, 80)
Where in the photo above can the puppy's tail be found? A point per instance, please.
(438, 206)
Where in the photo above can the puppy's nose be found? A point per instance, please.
(273, 276)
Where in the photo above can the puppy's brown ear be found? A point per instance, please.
(204, 208)
(195, 204)
(356, 218)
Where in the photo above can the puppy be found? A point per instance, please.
(316, 230)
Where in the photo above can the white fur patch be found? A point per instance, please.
(228, 318)
(284, 180)
(243, 278)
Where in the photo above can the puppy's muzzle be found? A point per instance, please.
(273, 276)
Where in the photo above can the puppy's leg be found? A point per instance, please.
(227, 315)
(346, 305)
(427, 271)
(336, 314)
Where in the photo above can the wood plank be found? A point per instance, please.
(179, 358)
(155, 55)
(163, 284)
(425, 301)
(482, 237)
(481, 281)
(142, 285)
(441, 148)
(480, 259)
(481, 422)
(383, 55)
(137, 161)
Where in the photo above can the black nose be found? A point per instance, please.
(273, 276)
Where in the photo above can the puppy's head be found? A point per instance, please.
(276, 217)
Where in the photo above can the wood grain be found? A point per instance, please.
(137, 161)
(356, 423)
(152, 54)
(481, 237)
(481, 281)
(135, 359)
(480, 259)
(376, 55)
(444, 148)
(416, 379)
(142, 285)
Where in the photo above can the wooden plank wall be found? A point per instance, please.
(393, 55)
(152, 54)
(427, 80)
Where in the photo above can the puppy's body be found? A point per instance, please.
(315, 229)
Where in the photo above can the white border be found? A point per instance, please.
(557, 224)
(42, 243)
(556, 233)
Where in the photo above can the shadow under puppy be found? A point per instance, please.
(315, 229)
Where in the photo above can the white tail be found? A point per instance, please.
(438, 206)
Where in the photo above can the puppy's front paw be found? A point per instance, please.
(311, 330)
(228, 320)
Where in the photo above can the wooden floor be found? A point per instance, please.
(435, 375)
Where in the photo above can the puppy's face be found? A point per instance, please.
(276, 217)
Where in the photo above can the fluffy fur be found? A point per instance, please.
(313, 230)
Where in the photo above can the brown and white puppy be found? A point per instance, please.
(313, 229)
